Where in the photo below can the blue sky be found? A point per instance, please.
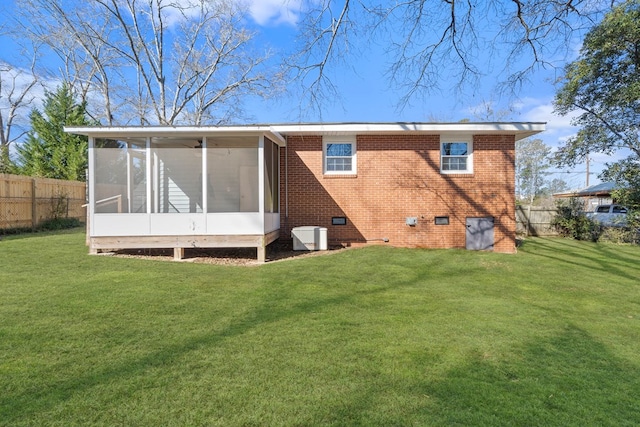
(366, 95)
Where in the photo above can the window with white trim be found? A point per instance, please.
(456, 156)
(339, 155)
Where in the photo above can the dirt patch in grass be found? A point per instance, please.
(276, 252)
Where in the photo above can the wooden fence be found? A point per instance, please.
(535, 220)
(26, 202)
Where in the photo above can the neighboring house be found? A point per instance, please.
(592, 196)
(436, 185)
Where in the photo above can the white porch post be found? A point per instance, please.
(129, 178)
(156, 180)
(205, 181)
(148, 176)
(261, 249)
(261, 178)
(91, 181)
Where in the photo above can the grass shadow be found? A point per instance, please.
(29, 234)
(569, 379)
(595, 256)
(19, 407)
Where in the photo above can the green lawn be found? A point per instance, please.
(375, 336)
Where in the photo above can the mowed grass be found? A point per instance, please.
(374, 336)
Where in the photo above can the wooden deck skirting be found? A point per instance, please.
(179, 243)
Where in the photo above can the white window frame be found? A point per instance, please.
(347, 139)
(452, 139)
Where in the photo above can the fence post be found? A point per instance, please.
(34, 208)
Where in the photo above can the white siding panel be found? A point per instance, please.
(177, 224)
(241, 223)
(234, 223)
(271, 222)
(120, 225)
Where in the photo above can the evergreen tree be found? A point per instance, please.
(48, 151)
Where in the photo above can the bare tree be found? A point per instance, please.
(486, 112)
(85, 63)
(428, 39)
(532, 162)
(16, 96)
(324, 28)
(154, 61)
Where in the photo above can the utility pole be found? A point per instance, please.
(587, 170)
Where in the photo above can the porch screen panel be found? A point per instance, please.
(120, 177)
(271, 182)
(232, 178)
(178, 176)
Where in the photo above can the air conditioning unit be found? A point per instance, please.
(309, 238)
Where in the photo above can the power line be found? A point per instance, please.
(590, 173)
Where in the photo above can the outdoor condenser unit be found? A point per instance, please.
(309, 238)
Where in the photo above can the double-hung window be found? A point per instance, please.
(456, 155)
(339, 155)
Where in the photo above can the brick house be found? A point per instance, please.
(436, 185)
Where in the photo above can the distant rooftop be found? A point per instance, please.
(602, 189)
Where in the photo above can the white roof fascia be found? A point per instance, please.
(275, 132)
(520, 129)
(176, 131)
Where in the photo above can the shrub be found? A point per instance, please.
(628, 234)
(572, 222)
(58, 215)
(59, 206)
(59, 224)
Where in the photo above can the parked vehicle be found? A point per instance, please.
(610, 215)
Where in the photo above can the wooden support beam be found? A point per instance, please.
(199, 241)
(179, 243)
(271, 237)
(262, 253)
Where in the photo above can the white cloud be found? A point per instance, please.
(179, 10)
(559, 128)
(275, 12)
(263, 12)
(15, 82)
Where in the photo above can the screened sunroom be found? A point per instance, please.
(181, 187)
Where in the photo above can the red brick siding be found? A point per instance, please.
(399, 177)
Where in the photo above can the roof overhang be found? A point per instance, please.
(278, 132)
(174, 132)
(521, 130)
